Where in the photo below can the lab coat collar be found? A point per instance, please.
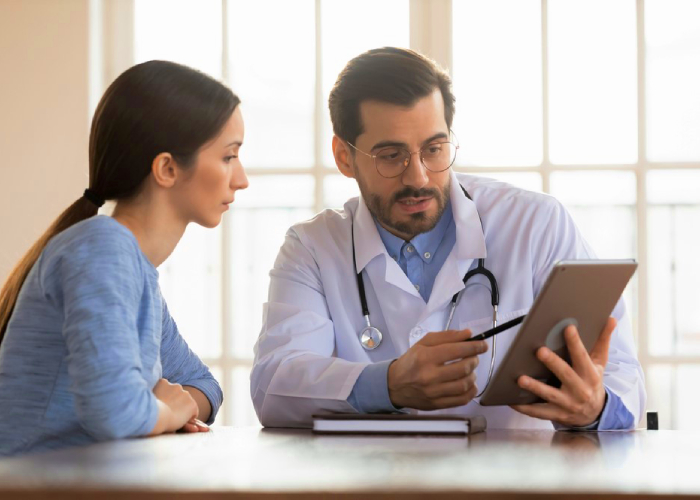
(368, 243)
(470, 242)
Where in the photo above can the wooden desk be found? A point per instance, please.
(256, 463)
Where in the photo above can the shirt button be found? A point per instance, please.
(409, 248)
(417, 287)
(426, 255)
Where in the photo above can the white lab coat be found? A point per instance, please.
(308, 356)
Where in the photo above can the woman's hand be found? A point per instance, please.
(195, 425)
(176, 407)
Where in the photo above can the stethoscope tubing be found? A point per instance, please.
(481, 269)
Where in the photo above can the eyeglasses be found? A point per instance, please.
(393, 161)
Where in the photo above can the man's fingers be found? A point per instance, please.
(546, 392)
(563, 371)
(453, 388)
(599, 353)
(456, 370)
(446, 337)
(453, 401)
(457, 350)
(580, 360)
(545, 411)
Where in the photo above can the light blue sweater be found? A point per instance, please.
(89, 338)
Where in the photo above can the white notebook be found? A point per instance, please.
(396, 423)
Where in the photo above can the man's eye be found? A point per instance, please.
(389, 154)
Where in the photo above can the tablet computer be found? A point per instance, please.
(582, 292)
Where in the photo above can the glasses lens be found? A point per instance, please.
(438, 156)
(391, 162)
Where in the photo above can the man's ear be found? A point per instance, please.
(164, 170)
(343, 158)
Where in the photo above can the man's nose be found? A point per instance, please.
(415, 175)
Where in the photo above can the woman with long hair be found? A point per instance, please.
(88, 349)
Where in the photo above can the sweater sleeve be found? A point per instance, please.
(97, 281)
(182, 366)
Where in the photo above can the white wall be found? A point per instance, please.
(44, 122)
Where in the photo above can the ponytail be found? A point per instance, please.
(151, 108)
(78, 211)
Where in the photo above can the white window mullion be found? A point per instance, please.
(118, 38)
(546, 168)
(226, 292)
(642, 310)
(431, 30)
(319, 115)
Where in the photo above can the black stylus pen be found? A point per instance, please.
(500, 328)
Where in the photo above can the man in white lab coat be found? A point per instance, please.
(414, 232)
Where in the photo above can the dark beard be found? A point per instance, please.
(420, 222)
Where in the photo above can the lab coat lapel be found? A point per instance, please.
(368, 245)
(469, 245)
(390, 292)
(470, 242)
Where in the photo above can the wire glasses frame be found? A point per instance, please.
(393, 161)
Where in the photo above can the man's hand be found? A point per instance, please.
(581, 398)
(437, 372)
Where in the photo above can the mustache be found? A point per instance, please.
(409, 192)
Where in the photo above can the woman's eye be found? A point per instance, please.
(228, 159)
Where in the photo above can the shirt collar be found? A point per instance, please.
(424, 243)
(470, 243)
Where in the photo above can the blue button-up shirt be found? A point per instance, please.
(423, 256)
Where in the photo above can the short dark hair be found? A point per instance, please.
(389, 74)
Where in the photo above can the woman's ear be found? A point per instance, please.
(164, 170)
(343, 158)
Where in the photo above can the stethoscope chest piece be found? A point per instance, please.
(370, 338)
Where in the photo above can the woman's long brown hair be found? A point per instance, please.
(151, 108)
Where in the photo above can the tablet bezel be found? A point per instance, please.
(585, 290)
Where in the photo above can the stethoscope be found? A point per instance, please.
(371, 337)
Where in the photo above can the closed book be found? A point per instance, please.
(396, 423)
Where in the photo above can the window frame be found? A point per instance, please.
(430, 32)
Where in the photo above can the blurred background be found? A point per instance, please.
(594, 101)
